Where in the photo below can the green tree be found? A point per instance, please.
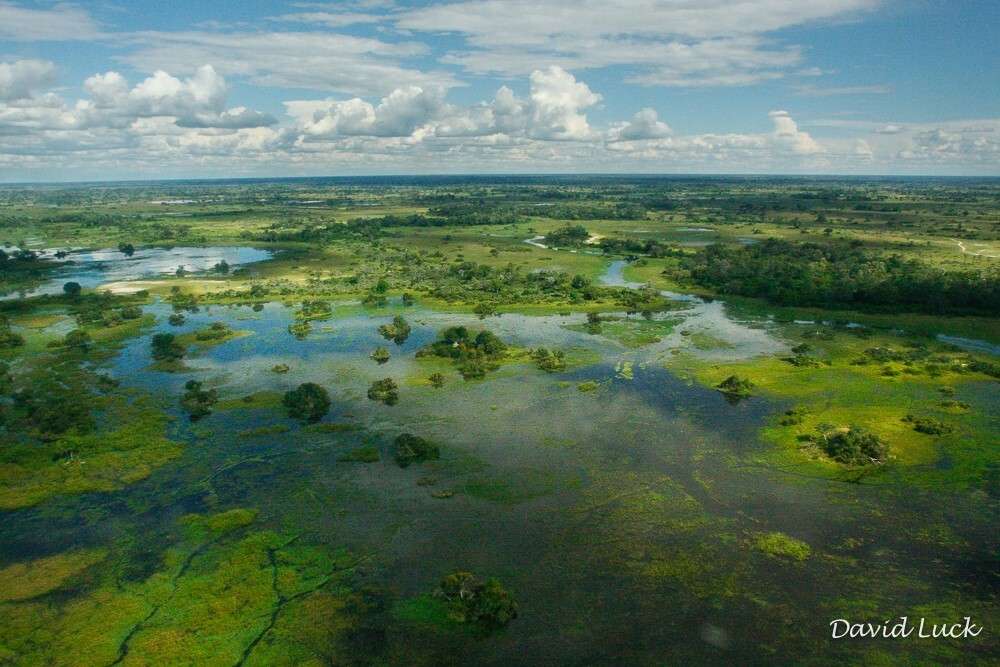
(309, 402)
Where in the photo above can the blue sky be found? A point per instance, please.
(107, 90)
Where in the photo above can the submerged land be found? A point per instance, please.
(488, 420)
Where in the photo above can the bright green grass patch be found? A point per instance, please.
(779, 545)
(100, 461)
(630, 332)
(23, 581)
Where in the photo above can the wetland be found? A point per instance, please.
(498, 421)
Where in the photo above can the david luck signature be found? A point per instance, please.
(903, 628)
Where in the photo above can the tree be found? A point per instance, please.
(414, 449)
(398, 331)
(197, 401)
(167, 348)
(473, 601)
(309, 402)
(77, 339)
(126, 249)
(385, 390)
(72, 289)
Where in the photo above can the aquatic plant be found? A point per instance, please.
(779, 545)
(380, 355)
(437, 380)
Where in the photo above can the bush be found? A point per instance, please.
(853, 446)
(309, 402)
(77, 339)
(414, 449)
(380, 355)
(385, 390)
(472, 601)
(197, 401)
(398, 331)
(167, 348)
(928, 425)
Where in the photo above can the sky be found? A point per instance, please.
(219, 88)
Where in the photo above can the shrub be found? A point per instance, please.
(385, 390)
(309, 402)
(414, 449)
(167, 348)
(473, 601)
(853, 446)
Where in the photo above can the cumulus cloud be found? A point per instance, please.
(197, 102)
(644, 125)
(553, 112)
(21, 79)
(787, 133)
(557, 100)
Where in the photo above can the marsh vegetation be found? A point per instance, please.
(381, 428)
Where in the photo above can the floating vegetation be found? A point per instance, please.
(260, 431)
(300, 329)
(365, 454)
(280, 368)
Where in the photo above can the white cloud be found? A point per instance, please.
(323, 61)
(787, 133)
(644, 125)
(557, 99)
(21, 79)
(62, 22)
(674, 42)
(328, 19)
(818, 91)
(552, 112)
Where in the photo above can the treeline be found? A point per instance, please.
(841, 275)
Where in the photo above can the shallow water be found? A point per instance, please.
(93, 268)
(620, 518)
